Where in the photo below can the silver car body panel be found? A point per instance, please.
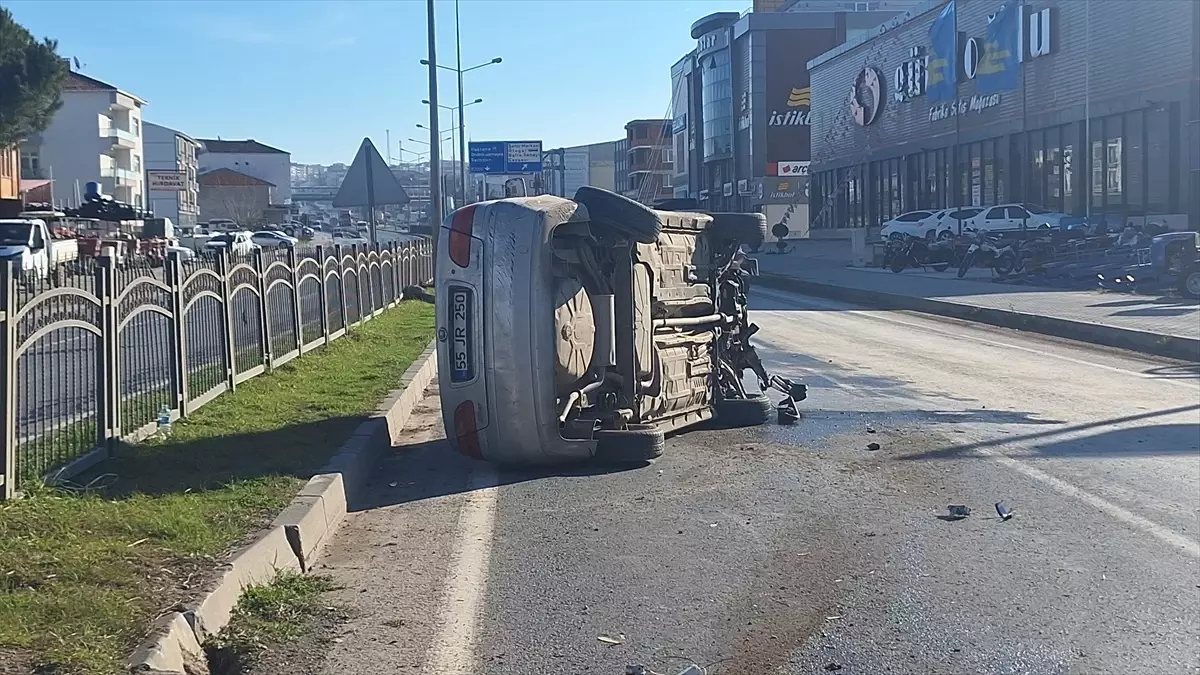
(512, 328)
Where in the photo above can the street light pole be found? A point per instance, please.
(435, 151)
(462, 137)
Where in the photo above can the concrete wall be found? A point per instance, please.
(273, 167)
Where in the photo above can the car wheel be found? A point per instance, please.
(616, 212)
(896, 236)
(1189, 282)
(945, 234)
(732, 413)
(636, 444)
(745, 228)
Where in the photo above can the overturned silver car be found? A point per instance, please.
(573, 329)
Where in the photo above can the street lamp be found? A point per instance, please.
(462, 139)
(435, 154)
(462, 158)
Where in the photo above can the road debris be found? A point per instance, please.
(872, 446)
(956, 512)
(609, 640)
(1003, 511)
(832, 666)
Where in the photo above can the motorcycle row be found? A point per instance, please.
(1139, 259)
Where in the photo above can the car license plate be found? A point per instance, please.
(462, 354)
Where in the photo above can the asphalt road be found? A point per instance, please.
(797, 549)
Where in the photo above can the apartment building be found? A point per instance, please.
(10, 182)
(252, 158)
(171, 150)
(96, 136)
(650, 160)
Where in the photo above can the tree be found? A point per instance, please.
(31, 81)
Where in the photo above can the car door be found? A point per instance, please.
(1018, 218)
(993, 219)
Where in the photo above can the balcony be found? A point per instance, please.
(120, 137)
(121, 176)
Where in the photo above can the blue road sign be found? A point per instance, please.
(505, 157)
(487, 156)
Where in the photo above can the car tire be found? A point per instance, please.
(1189, 282)
(734, 413)
(619, 213)
(745, 228)
(636, 444)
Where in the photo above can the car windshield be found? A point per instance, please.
(15, 234)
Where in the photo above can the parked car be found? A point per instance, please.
(185, 254)
(236, 243)
(29, 244)
(1015, 217)
(571, 329)
(949, 222)
(911, 224)
(272, 239)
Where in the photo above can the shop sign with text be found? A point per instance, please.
(963, 106)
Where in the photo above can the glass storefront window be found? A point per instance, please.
(1114, 164)
(1158, 158)
(932, 185)
(895, 192)
(1069, 135)
(1135, 196)
(988, 162)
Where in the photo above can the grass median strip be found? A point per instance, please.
(82, 573)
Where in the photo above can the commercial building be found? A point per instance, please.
(96, 136)
(621, 164)
(564, 170)
(1080, 106)
(251, 158)
(649, 161)
(245, 199)
(168, 150)
(741, 102)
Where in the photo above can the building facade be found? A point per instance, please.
(1084, 107)
(245, 199)
(170, 150)
(621, 165)
(650, 161)
(564, 170)
(251, 158)
(741, 103)
(10, 182)
(96, 136)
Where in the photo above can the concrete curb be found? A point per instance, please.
(1170, 346)
(294, 539)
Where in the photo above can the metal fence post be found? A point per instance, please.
(359, 265)
(108, 366)
(337, 251)
(179, 368)
(227, 304)
(293, 262)
(322, 259)
(397, 291)
(264, 317)
(8, 373)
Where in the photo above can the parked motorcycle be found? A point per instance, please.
(981, 252)
(920, 252)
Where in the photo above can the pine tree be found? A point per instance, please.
(31, 81)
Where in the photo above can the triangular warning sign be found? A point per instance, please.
(369, 182)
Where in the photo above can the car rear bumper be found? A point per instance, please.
(504, 409)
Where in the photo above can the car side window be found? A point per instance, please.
(1017, 212)
(996, 213)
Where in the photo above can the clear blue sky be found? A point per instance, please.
(314, 77)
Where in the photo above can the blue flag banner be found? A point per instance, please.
(942, 72)
(999, 63)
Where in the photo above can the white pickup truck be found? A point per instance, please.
(27, 242)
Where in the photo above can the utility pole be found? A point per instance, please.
(435, 150)
(462, 137)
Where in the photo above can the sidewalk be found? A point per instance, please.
(1161, 326)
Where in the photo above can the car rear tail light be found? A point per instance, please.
(465, 431)
(460, 235)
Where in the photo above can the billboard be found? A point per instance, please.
(788, 92)
(166, 181)
(505, 157)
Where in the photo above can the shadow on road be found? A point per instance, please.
(1181, 371)
(1142, 441)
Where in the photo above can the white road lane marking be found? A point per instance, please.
(872, 314)
(1160, 532)
(453, 649)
